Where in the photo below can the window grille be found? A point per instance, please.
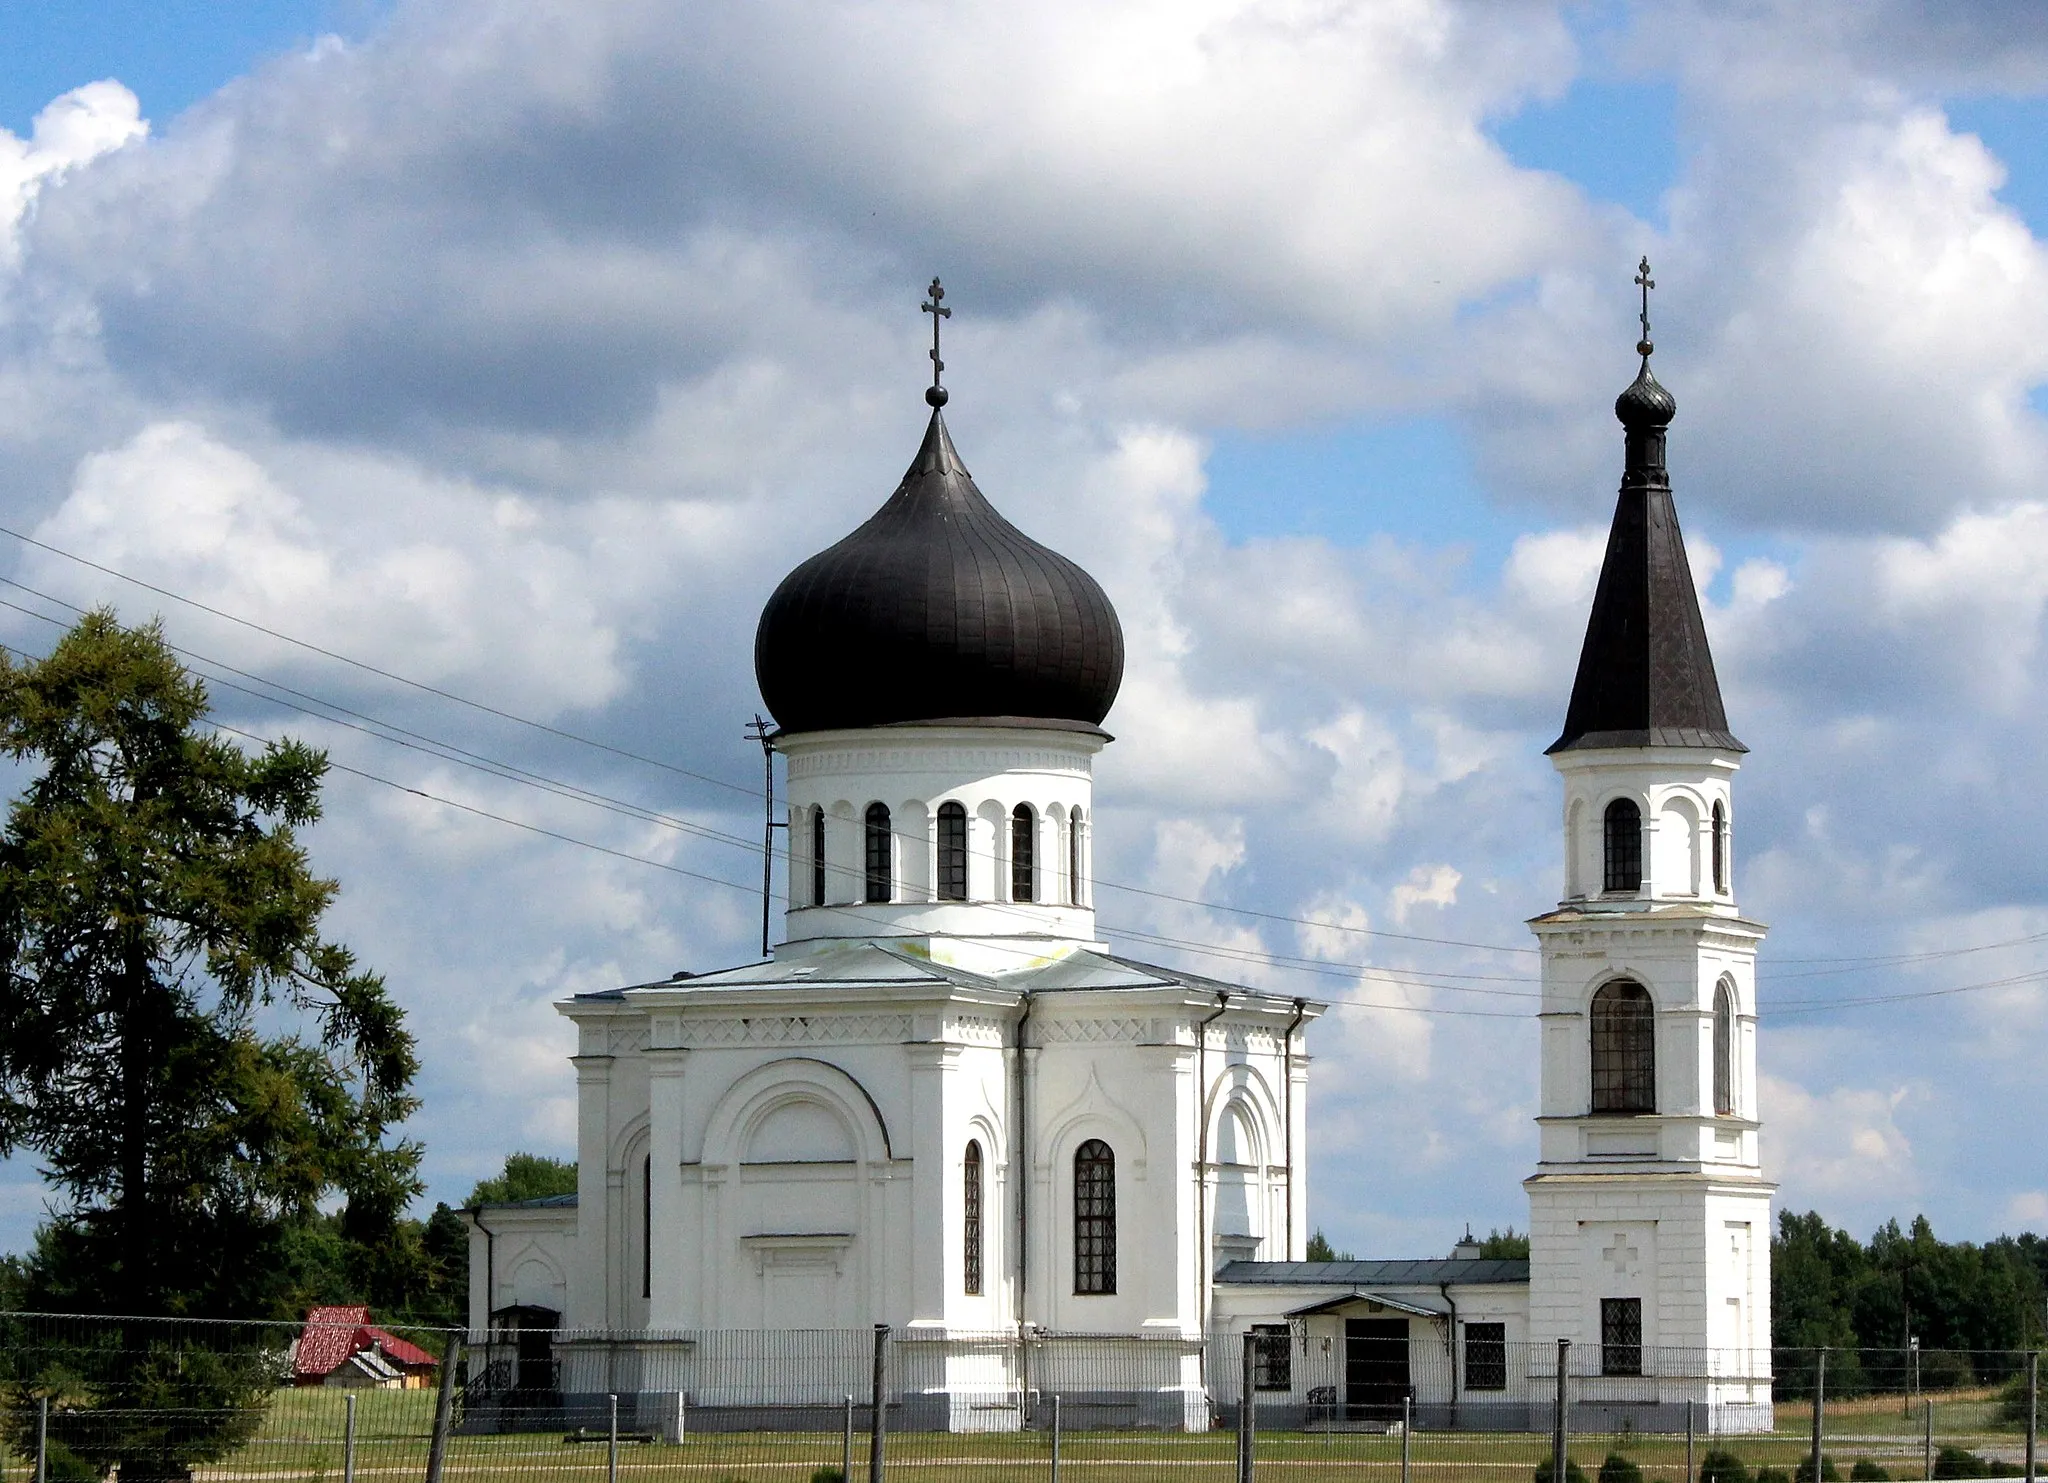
(1621, 1336)
(1074, 857)
(1720, 849)
(1624, 1049)
(1486, 1356)
(880, 886)
(1724, 1049)
(1094, 1218)
(817, 857)
(1624, 846)
(1023, 854)
(952, 852)
(1273, 1357)
(971, 1225)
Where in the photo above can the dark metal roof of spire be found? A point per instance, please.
(1646, 677)
(937, 608)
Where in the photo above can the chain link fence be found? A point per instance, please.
(144, 1400)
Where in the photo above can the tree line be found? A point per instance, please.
(1972, 1308)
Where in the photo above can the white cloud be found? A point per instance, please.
(1842, 1145)
(72, 130)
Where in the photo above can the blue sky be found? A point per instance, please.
(533, 379)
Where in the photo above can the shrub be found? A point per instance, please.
(1619, 1469)
(1828, 1472)
(1867, 1471)
(1573, 1473)
(828, 1475)
(1722, 1466)
(1954, 1462)
(1772, 1475)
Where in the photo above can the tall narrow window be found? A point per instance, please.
(1486, 1356)
(971, 1224)
(1023, 854)
(1094, 1218)
(647, 1227)
(952, 852)
(818, 856)
(1624, 846)
(1621, 1336)
(1624, 1048)
(1720, 849)
(1074, 857)
(1724, 1049)
(880, 886)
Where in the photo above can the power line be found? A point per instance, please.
(449, 751)
(607, 747)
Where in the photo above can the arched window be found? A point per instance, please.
(1624, 1049)
(818, 856)
(1624, 846)
(952, 852)
(880, 886)
(1724, 1049)
(1023, 854)
(971, 1225)
(1094, 1218)
(1074, 857)
(1720, 848)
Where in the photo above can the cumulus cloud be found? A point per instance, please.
(520, 348)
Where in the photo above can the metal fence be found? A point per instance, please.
(143, 1400)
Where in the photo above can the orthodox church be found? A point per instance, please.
(944, 1103)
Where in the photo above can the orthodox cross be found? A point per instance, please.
(937, 309)
(1645, 282)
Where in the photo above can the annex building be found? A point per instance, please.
(946, 1104)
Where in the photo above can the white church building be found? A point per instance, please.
(945, 1104)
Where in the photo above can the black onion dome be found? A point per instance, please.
(937, 609)
(1645, 402)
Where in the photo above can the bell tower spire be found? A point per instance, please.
(1649, 1212)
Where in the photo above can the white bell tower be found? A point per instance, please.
(1649, 1211)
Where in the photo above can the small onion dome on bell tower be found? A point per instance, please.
(1646, 677)
(938, 609)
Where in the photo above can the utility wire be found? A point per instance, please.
(511, 772)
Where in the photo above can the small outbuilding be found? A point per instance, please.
(340, 1346)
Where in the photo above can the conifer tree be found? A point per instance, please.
(154, 904)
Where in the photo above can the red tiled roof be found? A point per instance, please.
(332, 1334)
(329, 1339)
(401, 1350)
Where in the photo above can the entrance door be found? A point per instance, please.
(1375, 1368)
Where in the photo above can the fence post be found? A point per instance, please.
(1691, 1468)
(42, 1439)
(1927, 1442)
(1247, 1412)
(1407, 1422)
(878, 1423)
(348, 1441)
(1055, 1437)
(1820, 1391)
(444, 1410)
(1558, 1465)
(2033, 1408)
(846, 1446)
(611, 1454)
